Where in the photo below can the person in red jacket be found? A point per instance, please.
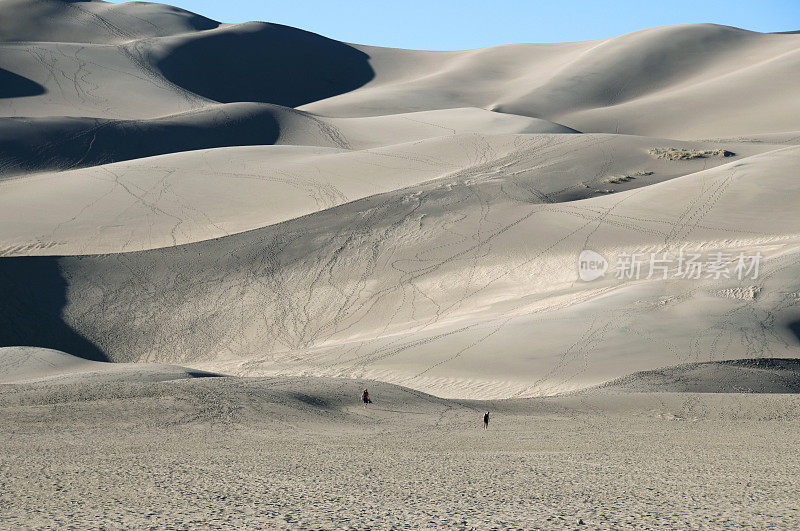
(365, 398)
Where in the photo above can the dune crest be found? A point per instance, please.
(762, 375)
(27, 365)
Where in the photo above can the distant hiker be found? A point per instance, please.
(365, 398)
(486, 420)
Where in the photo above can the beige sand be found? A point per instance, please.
(21, 365)
(294, 453)
(186, 198)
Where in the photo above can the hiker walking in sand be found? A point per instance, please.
(486, 420)
(365, 398)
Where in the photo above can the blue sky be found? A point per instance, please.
(461, 24)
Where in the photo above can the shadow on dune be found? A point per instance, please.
(309, 400)
(15, 86)
(40, 144)
(795, 328)
(34, 294)
(204, 374)
(267, 63)
(757, 375)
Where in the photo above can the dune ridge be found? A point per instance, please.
(760, 375)
(27, 365)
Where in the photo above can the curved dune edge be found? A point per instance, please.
(24, 365)
(759, 375)
(34, 365)
(681, 81)
(36, 145)
(382, 289)
(190, 197)
(684, 81)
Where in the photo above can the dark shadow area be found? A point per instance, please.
(779, 364)
(795, 329)
(204, 374)
(15, 86)
(309, 400)
(424, 413)
(267, 63)
(40, 144)
(33, 294)
(754, 375)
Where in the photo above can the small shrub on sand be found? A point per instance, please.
(625, 178)
(618, 180)
(688, 154)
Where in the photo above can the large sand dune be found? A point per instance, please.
(678, 81)
(196, 195)
(60, 143)
(259, 200)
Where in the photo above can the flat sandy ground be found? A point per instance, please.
(303, 454)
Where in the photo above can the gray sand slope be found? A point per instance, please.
(762, 375)
(404, 216)
(21, 365)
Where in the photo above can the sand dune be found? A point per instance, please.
(406, 216)
(25, 365)
(686, 81)
(460, 289)
(294, 67)
(678, 81)
(761, 375)
(30, 145)
(94, 21)
(193, 196)
(59, 143)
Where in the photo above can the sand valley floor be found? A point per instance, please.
(302, 453)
